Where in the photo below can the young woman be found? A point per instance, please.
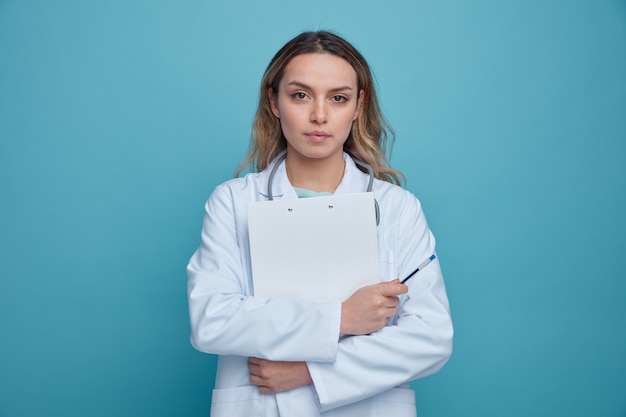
(318, 118)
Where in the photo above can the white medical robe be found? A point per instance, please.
(361, 376)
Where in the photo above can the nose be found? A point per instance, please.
(319, 112)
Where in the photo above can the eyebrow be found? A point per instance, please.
(302, 85)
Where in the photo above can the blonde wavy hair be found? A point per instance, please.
(370, 137)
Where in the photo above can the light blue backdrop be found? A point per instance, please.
(118, 118)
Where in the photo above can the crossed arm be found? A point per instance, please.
(367, 310)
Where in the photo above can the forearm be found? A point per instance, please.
(225, 322)
(418, 344)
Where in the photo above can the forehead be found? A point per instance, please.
(320, 70)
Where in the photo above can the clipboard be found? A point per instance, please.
(320, 248)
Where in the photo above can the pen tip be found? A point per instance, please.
(432, 256)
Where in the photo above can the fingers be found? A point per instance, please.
(392, 288)
(256, 373)
(255, 366)
(369, 308)
(392, 302)
(277, 376)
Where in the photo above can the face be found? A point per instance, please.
(317, 101)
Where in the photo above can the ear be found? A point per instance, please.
(359, 104)
(273, 102)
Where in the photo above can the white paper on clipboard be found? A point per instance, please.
(320, 248)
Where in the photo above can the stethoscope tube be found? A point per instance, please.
(362, 164)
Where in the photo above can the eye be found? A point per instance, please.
(339, 99)
(299, 95)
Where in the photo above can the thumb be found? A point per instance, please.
(393, 288)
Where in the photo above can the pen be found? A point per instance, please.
(419, 268)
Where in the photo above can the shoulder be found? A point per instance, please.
(397, 204)
(237, 189)
(251, 187)
(389, 193)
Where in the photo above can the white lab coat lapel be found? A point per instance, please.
(354, 180)
(281, 187)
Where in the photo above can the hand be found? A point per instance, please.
(277, 376)
(370, 307)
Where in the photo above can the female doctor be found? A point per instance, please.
(317, 121)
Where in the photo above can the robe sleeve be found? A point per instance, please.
(227, 320)
(416, 343)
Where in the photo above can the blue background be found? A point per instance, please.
(118, 118)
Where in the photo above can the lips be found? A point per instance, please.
(318, 135)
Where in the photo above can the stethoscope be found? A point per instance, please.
(362, 164)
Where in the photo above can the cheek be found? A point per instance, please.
(349, 118)
(288, 124)
(355, 115)
(285, 119)
(285, 127)
(290, 116)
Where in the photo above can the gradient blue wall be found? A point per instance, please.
(118, 118)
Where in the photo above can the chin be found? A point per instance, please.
(315, 152)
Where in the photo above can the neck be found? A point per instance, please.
(315, 174)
